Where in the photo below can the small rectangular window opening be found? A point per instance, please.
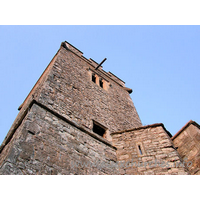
(99, 130)
(93, 78)
(140, 150)
(101, 83)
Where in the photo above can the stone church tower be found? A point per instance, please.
(79, 119)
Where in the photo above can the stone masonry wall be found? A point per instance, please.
(69, 91)
(56, 136)
(46, 144)
(147, 150)
(187, 143)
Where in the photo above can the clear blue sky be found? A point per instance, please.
(160, 63)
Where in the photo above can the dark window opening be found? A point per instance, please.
(93, 78)
(140, 150)
(99, 130)
(101, 83)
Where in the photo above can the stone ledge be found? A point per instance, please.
(82, 128)
(143, 127)
(23, 113)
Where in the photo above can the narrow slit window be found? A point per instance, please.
(93, 78)
(101, 83)
(140, 150)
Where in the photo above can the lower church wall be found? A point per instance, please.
(147, 151)
(46, 144)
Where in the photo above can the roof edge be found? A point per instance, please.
(144, 127)
(184, 127)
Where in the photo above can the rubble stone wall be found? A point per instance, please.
(187, 143)
(46, 144)
(147, 150)
(69, 91)
(53, 133)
